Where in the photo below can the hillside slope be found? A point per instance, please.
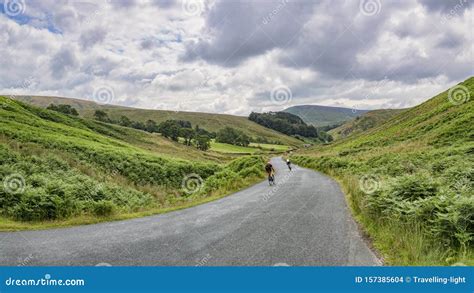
(323, 115)
(60, 170)
(208, 121)
(410, 181)
(364, 122)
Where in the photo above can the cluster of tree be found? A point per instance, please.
(65, 109)
(172, 129)
(289, 124)
(232, 136)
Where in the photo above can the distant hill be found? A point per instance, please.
(362, 123)
(323, 115)
(208, 121)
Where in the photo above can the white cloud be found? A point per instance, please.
(396, 58)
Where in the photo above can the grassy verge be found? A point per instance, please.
(236, 175)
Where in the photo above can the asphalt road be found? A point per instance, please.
(301, 221)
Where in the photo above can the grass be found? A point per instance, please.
(271, 147)
(59, 170)
(365, 122)
(251, 149)
(231, 149)
(208, 121)
(9, 225)
(409, 181)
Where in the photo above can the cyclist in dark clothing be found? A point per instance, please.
(271, 173)
(288, 163)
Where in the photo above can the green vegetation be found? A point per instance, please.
(208, 121)
(367, 121)
(59, 169)
(66, 109)
(289, 124)
(231, 149)
(320, 116)
(232, 136)
(410, 181)
(270, 147)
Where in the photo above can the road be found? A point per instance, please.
(302, 221)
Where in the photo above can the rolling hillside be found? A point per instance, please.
(410, 181)
(322, 115)
(61, 170)
(365, 122)
(208, 121)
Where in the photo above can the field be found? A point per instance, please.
(410, 181)
(60, 170)
(251, 149)
(210, 122)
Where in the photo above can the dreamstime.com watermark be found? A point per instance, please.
(192, 183)
(43, 282)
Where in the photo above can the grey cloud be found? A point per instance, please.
(122, 3)
(243, 29)
(92, 37)
(446, 6)
(63, 60)
(163, 3)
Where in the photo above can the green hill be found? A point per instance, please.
(208, 121)
(323, 115)
(410, 181)
(61, 170)
(365, 122)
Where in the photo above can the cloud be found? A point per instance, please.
(92, 37)
(228, 56)
(62, 61)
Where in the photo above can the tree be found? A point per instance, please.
(232, 136)
(65, 109)
(151, 126)
(138, 125)
(101, 116)
(169, 129)
(203, 142)
(125, 121)
(187, 134)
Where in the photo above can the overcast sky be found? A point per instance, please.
(236, 56)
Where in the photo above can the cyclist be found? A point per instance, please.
(271, 173)
(288, 163)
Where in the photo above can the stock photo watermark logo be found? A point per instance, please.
(370, 183)
(281, 95)
(454, 11)
(458, 95)
(203, 261)
(370, 7)
(103, 95)
(192, 183)
(193, 7)
(14, 7)
(268, 18)
(14, 184)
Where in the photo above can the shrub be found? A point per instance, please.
(412, 187)
(103, 208)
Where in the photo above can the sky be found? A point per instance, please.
(234, 56)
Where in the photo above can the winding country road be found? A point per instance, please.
(302, 221)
